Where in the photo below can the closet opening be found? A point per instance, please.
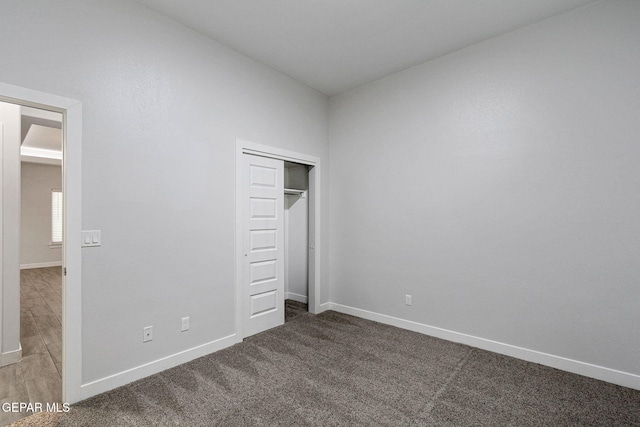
(261, 263)
(296, 239)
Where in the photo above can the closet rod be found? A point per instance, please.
(294, 192)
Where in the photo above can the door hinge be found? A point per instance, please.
(65, 271)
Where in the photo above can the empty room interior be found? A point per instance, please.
(320, 213)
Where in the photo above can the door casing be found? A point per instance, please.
(71, 255)
(247, 147)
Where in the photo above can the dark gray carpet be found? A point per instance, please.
(338, 370)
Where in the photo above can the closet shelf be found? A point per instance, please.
(294, 192)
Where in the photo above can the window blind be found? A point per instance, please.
(56, 216)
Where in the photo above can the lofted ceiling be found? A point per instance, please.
(336, 45)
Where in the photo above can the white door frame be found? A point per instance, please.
(246, 147)
(71, 256)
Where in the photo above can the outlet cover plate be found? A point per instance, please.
(147, 334)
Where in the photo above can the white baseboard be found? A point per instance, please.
(122, 378)
(296, 297)
(324, 307)
(41, 265)
(11, 357)
(625, 379)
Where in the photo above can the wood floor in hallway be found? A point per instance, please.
(38, 376)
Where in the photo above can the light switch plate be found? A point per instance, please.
(91, 238)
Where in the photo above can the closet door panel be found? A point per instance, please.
(263, 244)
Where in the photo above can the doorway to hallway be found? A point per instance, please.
(32, 237)
(67, 304)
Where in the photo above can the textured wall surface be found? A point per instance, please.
(162, 108)
(498, 186)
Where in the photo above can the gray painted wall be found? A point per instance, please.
(297, 235)
(296, 213)
(498, 186)
(35, 215)
(162, 108)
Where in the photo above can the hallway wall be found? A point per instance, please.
(35, 215)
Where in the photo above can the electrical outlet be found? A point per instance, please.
(407, 299)
(147, 334)
(185, 324)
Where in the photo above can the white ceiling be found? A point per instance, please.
(336, 45)
(42, 136)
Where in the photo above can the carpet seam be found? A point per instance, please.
(428, 407)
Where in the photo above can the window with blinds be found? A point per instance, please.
(56, 216)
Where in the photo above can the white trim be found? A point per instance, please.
(296, 297)
(313, 226)
(130, 375)
(71, 255)
(41, 264)
(247, 147)
(286, 249)
(11, 357)
(326, 306)
(239, 242)
(624, 379)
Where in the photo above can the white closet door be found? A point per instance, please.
(263, 242)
